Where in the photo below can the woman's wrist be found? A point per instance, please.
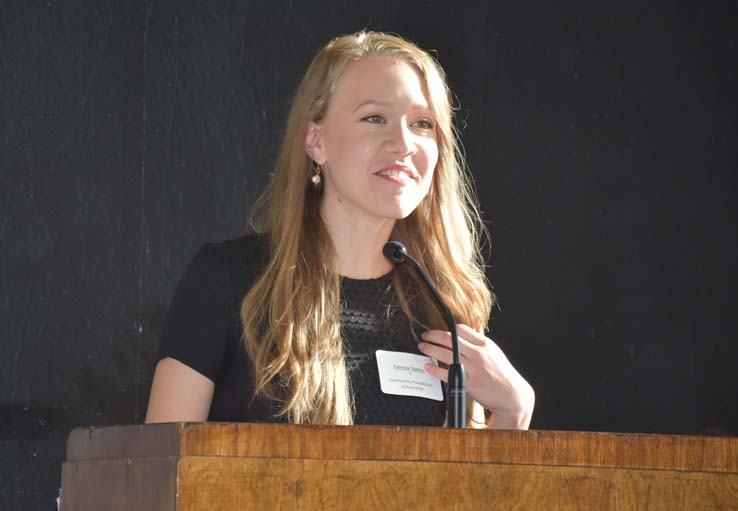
(519, 416)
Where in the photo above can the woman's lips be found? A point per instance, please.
(397, 174)
(400, 179)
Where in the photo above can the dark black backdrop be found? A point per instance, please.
(602, 140)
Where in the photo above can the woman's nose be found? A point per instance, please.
(401, 139)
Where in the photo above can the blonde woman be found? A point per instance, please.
(288, 323)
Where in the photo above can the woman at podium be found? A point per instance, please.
(304, 320)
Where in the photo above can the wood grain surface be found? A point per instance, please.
(570, 448)
(195, 467)
(227, 483)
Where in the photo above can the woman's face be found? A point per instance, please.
(377, 143)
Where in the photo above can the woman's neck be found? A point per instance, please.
(358, 243)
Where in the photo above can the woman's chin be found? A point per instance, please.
(398, 212)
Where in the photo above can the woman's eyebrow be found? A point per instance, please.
(379, 102)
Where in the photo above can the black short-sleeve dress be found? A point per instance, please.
(203, 331)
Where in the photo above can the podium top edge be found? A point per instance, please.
(538, 447)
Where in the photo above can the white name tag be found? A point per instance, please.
(403, 374)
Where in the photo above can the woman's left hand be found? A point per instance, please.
(490, 378)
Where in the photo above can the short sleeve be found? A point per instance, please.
(196, 326)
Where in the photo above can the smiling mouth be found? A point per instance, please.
(397, 173)
(396, 176)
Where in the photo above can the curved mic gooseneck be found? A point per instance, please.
(396, 253)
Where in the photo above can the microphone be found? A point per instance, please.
(396, 253)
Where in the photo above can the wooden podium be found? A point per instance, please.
(198, 467)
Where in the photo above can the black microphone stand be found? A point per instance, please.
(396, 253)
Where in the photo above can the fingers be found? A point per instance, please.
(438, 372)
(465, 333)
(440, 353)
(471, 335)
(438, 343)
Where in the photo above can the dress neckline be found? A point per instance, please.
(381, 278)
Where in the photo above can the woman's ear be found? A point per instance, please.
(314, 143)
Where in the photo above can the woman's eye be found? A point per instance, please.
(374, 119)
(425, 124)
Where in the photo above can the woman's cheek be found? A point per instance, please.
(432, 155)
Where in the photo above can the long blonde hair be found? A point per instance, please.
(291, 315)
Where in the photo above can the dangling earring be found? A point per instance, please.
(315, 175)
